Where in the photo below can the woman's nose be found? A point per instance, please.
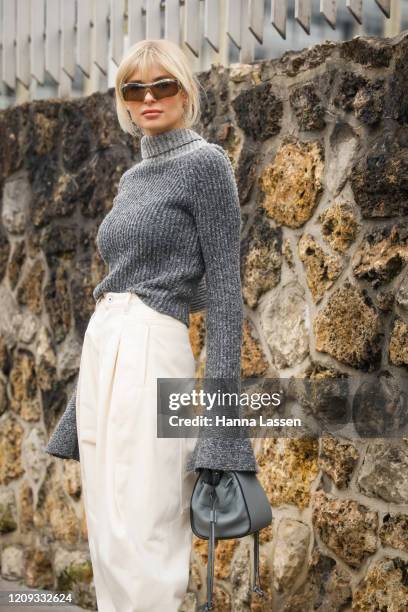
(149, 96)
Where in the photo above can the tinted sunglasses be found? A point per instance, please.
(136, 92)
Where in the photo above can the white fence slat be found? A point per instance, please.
(23, 44)
(68, 37)
(328, 10)
(385, 6)
(303, 13)
(191, 26)
(256, 14)
(212, 23)
(356, 9)
(153, 19)
(84, 36)
(135, 21)
(116, 30)
(247, 51)
(8, 35)
(100, 13)
(233, 21)
(64, 89)
(37, 50)
(279, 10)
(172, 29)
(52, 39)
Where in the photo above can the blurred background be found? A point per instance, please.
(76, 47)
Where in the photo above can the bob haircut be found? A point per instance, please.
(172, 59)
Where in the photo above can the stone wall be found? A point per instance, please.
(319, 142)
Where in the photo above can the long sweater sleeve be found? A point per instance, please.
(216, 211)
(63, 442)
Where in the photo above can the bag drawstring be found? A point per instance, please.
(257, 587)
(211, 552)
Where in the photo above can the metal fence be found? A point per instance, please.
(48, 41)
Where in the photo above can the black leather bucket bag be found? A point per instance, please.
(236, 507)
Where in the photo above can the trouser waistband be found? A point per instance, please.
(124, 298)
(127, 299)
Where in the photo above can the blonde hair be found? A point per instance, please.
(169, 56)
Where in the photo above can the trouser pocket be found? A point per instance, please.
(187, 479)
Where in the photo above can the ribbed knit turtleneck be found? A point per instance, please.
(176, 217)
(170, 143)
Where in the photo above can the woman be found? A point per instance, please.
(175, 218)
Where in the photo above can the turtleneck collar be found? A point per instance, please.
(171, 142)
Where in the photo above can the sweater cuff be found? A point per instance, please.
(223, 446)
(64, 441)
(223, 454)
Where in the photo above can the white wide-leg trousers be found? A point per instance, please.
(136, 492)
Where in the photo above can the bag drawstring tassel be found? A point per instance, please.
(257, 587)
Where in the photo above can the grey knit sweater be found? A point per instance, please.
(176, 217)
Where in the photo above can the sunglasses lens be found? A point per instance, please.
(136, 92)
(165, 89)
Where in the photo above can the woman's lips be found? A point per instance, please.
(151, 113)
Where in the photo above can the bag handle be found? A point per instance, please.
(211, 552)
(257, 587)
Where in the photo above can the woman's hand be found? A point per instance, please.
(211, 477)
